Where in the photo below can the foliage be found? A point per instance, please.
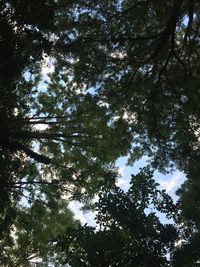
(146, 70)
(53, 141)
(121, 84)
(24, 31)
(128, 232)
(23, 26)
(34, 232)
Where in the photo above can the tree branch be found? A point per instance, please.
(13, 146)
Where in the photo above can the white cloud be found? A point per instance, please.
(124, 173)
(121, 170)
(40, 127)
(48, 67)
(122, 183)
(172, 184)
(88, 217)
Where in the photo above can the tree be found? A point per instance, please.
(34, 233)
(75, 151)
(64, 148)
(128, 232)
(25, 38)
(146, 70)
(121, 84)
(75, 123)
(23, 41)
(78, 136)
(188, 194)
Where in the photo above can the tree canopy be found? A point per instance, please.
(146, 70)
(129, 231)
(124, 82)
